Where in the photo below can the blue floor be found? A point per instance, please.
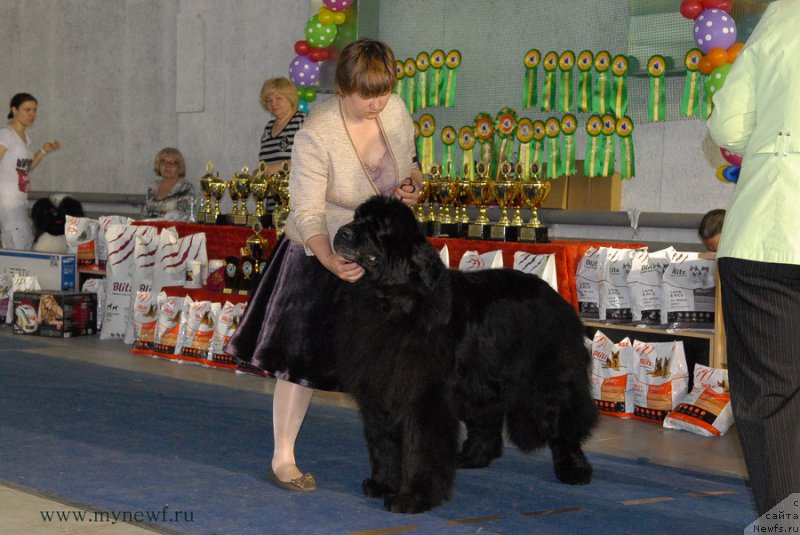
(121, 441)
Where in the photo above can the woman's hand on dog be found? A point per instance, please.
(408, 192)
(335, 263)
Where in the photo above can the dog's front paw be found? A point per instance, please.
(573, 468)
(409, 504)
(374, 489)
(465, 461)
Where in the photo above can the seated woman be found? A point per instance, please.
(48, 221)
(171, 196)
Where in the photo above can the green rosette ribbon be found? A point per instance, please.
(524, 137)
(427, 126)
(466, 140)
(609, 157)
(538, 142)
(418, 142)
(530, 90)
(593, 156)
(619, 70)
(437, 80)
(552, 129)
(569, 123)
(627, 163)
(399, 75)
(505, 126)
(657, 103)
(410, 67)
(692, 85)
(550, 64)
(449, 137)
(585, 61)
(601, 90)
(708, 104)
(566, 100)
(451, 61)
(483, 125)
(423, 64)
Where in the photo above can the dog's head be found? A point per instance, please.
(385, 240)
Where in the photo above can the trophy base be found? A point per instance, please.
(503, 233)
(445, 230)
(534, 234)
(202, 216)
(265, 220)
(477, 232)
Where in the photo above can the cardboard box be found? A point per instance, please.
(55, 313)
(559, 187)
(53, 271)
(594, 193)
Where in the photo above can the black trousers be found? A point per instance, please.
(761, 309)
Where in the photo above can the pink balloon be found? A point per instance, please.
(337, 5)
(731, 158)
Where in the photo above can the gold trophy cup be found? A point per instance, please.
(534, 194)
(217, 190)
(480, 194)
(205, 181)
(259, 188)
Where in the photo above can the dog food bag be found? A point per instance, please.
(168, 326)
(444, 254)
(97, 286)
(227, 321)
(197, 330)
(612, 376)
(613, 294)
(706, 410)
(661, 378)
(473, 261)
(586, 277)
(688, 292)
(5, 289)
(81, 233)
(145, 315)
(541, 265)
(644, 284)
(144, 261)
(101, 247)
(121, 241)
(173, 254)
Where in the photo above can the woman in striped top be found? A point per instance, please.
(279, 98)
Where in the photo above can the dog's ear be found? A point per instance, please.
(427, 268)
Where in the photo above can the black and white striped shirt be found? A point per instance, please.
(278, 148)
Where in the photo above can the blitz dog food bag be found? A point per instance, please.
(586, 286)
(612, 376)
(613, 295)
(706, 410)
(541, 265)
(472, 261)
(661, 378)
(644, 284)
(688, 292)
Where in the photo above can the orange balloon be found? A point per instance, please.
(704, 66)
(733, 51)
(717, 56)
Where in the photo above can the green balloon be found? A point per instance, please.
(716, 78)
(319, 35)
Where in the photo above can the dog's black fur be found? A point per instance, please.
(421, 347)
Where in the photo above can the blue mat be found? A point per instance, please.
(196, 456)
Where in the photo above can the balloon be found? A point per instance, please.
(303, 71)
(718, 56)
(302, 106)
(719, 173)
(725, 5)
(690, 9)
(337, 5)
(733, 51)
(704, 66)
(731, 158)
(731, 173)
(318, 54)
(325, 15)
(717, 78)
(711, 4)
(310, 94)
(301, 48)
(714, 28)
(321, 35)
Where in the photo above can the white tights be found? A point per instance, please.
(289, 407)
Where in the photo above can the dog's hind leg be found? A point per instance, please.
(484, 441)
(570, 463)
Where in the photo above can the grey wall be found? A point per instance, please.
(119, 79)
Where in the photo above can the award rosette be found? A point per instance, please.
(550, 64)
(421, 97)
(569, 123)
(538, 141)
(449, 137)
(657, 109)
(466, 140)
(399, 76)
(418, 142)
(585, 62)
(427, 126)
(627, 165)
(451, 61)
(530, 90)
(436, 79)
(484, 132)
(524, 137)
(410, 68)
(593, 157)
(600, 93)
(566, 63)
(505, 126)
(609, 129)
(552, 129)
(619, 102)
(692, 84)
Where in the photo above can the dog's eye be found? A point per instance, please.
(371, 260)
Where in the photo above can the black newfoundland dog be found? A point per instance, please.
(422, 346)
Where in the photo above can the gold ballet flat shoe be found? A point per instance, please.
(304, 483)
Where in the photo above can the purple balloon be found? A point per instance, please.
(714, 28)
(303, 71)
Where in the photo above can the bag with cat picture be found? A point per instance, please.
(644, 284)
(706, 410)
(612, 376)
(586, 284)
(613, 294)
(688, 292)
(660, 378)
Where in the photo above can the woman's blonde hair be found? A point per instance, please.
(170, 151)
(366, 67)
(281, 85)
